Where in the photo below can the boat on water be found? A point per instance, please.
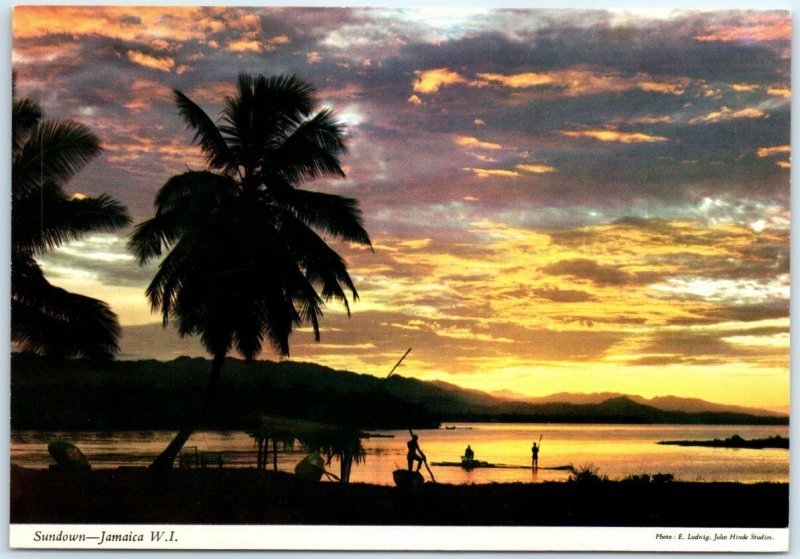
(466, 463)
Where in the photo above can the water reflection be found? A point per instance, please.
(618, 450)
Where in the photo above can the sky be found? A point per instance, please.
(559, 200)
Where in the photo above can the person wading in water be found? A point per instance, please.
(535, 456)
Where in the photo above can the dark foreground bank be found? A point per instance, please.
(243, 496)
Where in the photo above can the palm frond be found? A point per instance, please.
(336, 215)
(54, 152)
(25, 115)
(52, 321)
(45, 218)
(206, 133)
(309, 151)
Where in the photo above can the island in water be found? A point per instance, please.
(737, 442)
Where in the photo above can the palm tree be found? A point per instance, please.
(246, 261)
(46, 154)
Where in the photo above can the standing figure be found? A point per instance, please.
(414, 454)
(535, 456)
(469, 454)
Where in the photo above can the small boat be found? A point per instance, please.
(68, 457)
(449, 427)
(406, 479)
(310, 468)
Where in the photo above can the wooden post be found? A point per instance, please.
(260, 459)
(274, 453)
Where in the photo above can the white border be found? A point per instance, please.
(312, 537)
(410, 538)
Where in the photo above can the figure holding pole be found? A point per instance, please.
(535, 454)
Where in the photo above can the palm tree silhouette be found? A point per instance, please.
(245, 264)
(45, 155)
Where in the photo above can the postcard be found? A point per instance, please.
(400, 279)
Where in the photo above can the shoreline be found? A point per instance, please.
(248, 496)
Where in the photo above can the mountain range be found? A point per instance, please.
(666, 403)
(78, 395)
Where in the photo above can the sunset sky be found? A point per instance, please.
(572, 201)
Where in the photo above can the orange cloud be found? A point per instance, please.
(766, 27)
(784, 164)
(244, 45)
(583, 81)
(485, 173)
(744, 86)
(128, 23)
(774, 150)
(614, 136)
(212, 91)
(429, 81)
(165, 63)
(726, 113)
(536, 169)
(145, 92)
(779, 91)
(527, 79)
(662, 87)
(468, 141)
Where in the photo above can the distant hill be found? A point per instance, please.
(142, 395)
(666, 403)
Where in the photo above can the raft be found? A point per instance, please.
(469, 465)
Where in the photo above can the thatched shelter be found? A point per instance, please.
(331, 441)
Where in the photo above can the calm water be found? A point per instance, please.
(617, 450)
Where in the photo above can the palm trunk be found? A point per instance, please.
(165, 460)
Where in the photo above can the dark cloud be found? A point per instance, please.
(563, 295)
(741, 313)
(584, 268)
(131, 20)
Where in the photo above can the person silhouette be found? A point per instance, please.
(469, 454)
(414, 454)
(535, 456)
